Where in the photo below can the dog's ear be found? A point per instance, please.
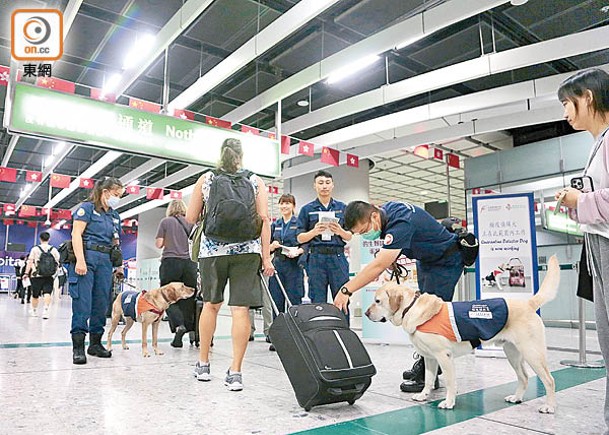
(395, 299)
(171, 292)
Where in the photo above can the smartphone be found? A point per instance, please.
(583, 184)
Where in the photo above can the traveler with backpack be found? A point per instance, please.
(95, 239)
(176, 266)
(234, 245)
(41, 268)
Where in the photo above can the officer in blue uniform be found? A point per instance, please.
(283, 234)
(326, 264)
(96, 228)
(410, 231)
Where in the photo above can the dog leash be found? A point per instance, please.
(416, 296)
(398, 271)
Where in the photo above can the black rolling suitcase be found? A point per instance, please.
(325, 361)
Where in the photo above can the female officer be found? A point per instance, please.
(283, 234)
(96, 227)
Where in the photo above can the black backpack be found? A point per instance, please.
(47, 266)
(231, 214)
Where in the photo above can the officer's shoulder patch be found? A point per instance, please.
(81, 212)
(388, 239)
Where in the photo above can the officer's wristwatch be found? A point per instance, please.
(344, 290)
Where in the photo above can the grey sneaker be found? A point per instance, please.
(233, 381)
(202, 372)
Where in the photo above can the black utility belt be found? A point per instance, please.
(327, 250)
(100, 248)
(283, 257)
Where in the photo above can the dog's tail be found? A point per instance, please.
(549, 286)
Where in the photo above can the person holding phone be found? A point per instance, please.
(585, 97)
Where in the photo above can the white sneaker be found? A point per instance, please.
(45, 313)
(33, 312)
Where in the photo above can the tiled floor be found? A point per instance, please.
(43, 393)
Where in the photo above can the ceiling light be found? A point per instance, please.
(48, 161)
(138, 52)
(303, 103)
(351, 69)
(111, 84)
(424, 192)
(518, 2)
(58, 147)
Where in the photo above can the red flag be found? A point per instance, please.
(8, 209)
(44, 211)
(32, 224)
(248, 129)
(9, 222)
(144, 105)
(56, 84)
(184, 114)
(285, 144)
(64, 214)
(4, 74)
(305, 148)
(8, 174)
(273, 189)
(61, 181)
(476, 191)
(330, 156)
(175, 194)
(217, 122)
(272, 136)
(97, 94)
(154, 193)
(86, 183)
(133, 190)
(422, 151)
(353, 160)
(20, 222)
(33, 176)
(453, 161)
(27, 211)
(438, 154)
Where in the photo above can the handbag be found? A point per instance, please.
(66, 253)
(585, 287)
(194, 239)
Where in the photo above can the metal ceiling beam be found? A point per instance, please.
(407, 31)
(561, 47)
(181, 20)
(271, 35)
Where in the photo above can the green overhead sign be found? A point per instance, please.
(50, 114)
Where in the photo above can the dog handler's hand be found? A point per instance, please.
(341, 301)
(80, 268)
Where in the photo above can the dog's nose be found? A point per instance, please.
(368, 312)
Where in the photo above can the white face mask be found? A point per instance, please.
(113, 201)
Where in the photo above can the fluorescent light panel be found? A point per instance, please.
(351, 69)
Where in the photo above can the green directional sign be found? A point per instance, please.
(50, 114)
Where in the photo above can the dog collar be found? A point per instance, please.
(416, 296)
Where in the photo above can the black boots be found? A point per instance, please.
(415, 378)
(96, 348)
(78, 348)
(177, 339)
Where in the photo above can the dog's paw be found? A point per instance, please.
(146, 355)
(159, 352)
(513, 399)
(419, 397)
(125, 347)
(446, 404)
(546, 409)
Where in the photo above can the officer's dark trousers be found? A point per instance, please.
(90, 293)
(324, 270)
(181, 313)
(440, 277)
(292, 278)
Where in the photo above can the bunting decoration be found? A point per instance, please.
(217, 122)
(4, 75)
(60, 181)
(330, 156)
(285, 144)
(144, 105)
(8, 174)
(352, 160)
(86, 183)
(133, 190)
(154, 193)
(453, 161)
(175, 194)
(33, 176)
(305, 148)
(98, 94)
(27, 211)
(8, 209)
(184, 114)
(56, 84)
(251, 130)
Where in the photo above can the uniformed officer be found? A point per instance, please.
(96, 228)
(327, 264)
(408, 230)
(283, 236)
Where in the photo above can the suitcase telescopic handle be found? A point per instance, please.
(268, 291)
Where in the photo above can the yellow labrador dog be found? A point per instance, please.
(146, 307)
(521, 332)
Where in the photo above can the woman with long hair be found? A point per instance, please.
(585, 97)
(176, 266)
(222, 260)
(96, 227)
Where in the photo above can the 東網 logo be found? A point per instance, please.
(36, 34)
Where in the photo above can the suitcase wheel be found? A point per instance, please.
(307, 408)
(350, 402)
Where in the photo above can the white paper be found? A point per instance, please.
(326, 217)
(290, 251)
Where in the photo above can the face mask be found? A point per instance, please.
(372, 235)
(113, 201)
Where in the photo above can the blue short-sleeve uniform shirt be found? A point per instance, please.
(415, 232)
(309, 216)
(285, 232)
(102, 226)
